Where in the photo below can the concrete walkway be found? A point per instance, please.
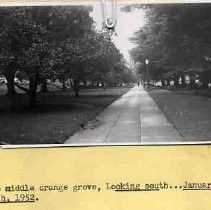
(133, 118)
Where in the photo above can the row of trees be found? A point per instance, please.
(55, 42)
(176, 40)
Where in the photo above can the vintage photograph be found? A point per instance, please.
(105, 73)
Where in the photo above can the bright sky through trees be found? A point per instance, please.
(127, 24)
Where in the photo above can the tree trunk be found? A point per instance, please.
(44, 86)
(183, 80)
(63, 83)
(76, 92)
(163, 82)
(32, 92)
(192, 83)
(85, 82)
(176, 81)
(10, 84)
(168, 83)
(76, 88)
(205, 80)
(71, 83)
(104, 86)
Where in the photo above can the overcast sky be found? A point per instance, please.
(127, 24)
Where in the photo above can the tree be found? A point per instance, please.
(31, 35)
(13, 35)
(90, 56)
(106, 64)
(54, 42)
(175, 36)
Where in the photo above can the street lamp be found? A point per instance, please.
(147, 71)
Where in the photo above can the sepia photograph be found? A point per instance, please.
(105, 73)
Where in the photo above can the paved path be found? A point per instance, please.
(133, 118)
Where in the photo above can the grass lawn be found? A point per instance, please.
(57, 116)
(190, 114)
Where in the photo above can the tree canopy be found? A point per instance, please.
(175, 36)
(55, 42)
